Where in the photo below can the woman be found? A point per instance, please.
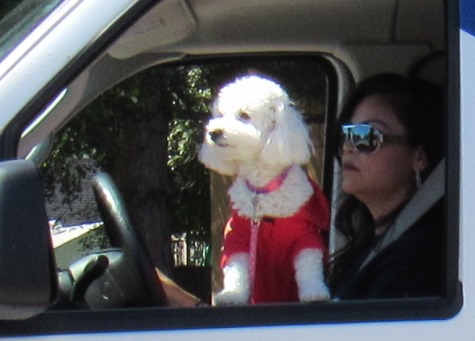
(390, 139)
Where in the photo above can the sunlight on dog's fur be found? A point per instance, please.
(257, 135)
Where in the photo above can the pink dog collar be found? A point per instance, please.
(273, 185)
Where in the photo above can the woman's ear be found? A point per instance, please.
(421, 160)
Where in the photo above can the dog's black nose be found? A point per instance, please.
(215, 135)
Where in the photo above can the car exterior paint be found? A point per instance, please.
(459, 327)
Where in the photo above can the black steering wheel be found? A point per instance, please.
(123, 276)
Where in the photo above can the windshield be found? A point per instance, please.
(18, 19)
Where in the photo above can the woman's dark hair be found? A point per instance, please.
(419, 106)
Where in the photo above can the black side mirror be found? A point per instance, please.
(27, 284)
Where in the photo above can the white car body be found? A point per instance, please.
(24, 73)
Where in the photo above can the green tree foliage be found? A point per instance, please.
(190, 183)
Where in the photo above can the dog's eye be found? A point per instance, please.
(244, 116)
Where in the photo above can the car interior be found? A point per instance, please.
(319, 49)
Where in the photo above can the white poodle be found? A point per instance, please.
(274, 244)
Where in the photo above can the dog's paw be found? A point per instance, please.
(236, 288)
(319, 294)
(309, 276)
(231, 298)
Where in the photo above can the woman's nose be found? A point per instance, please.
(346, 147)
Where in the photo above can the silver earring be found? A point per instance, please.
(418, 179)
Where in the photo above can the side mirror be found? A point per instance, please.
(26, 279)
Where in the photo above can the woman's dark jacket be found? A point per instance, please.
(411, 266)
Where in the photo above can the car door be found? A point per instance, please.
(75, 63)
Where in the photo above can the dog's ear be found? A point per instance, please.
(212, 160)
(289, 141)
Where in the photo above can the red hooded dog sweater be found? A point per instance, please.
(280, 240)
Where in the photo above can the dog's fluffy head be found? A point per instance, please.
(254, 121)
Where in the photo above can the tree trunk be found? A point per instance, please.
(143, 180)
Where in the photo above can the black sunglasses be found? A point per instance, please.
(364, 138)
